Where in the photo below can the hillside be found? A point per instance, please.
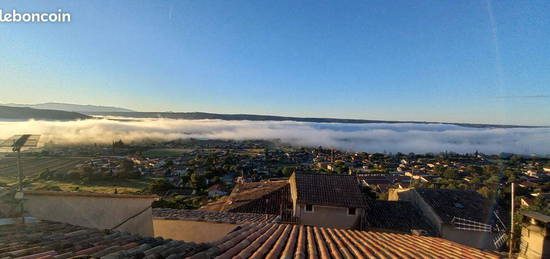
(71, 107)
(19, 113)
(252, 117)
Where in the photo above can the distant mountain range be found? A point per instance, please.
(70, 107)
(25, 113)
(253, 117)
(62, 111)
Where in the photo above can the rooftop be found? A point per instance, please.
(46, 239)
(212, 216)
(287, 241)
(536, 215)
(399, 216)
(328, 189)
(449, 203)
(246, 193)
(374, 179)
(57, 240)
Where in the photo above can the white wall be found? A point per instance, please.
(328, 216)
(101, 212)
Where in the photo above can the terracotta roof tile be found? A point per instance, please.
(255, 197)
(264, 240)
(45, 239)
(293, 241)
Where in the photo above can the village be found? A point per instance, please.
(218, 185)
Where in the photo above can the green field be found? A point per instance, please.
(128, 186)
(32, 166)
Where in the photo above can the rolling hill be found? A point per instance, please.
(71, 107)
(25, 113)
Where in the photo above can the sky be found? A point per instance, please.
(450, 61)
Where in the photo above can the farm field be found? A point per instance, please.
(128, 186)
(32, 166)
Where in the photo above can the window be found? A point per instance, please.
(351, 211)
(309, 208)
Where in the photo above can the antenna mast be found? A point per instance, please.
(16, 143)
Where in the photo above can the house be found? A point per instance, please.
(535, 235)
(526, 201)
(378, 183)
(533, 173)
(326, 200)
(228, 178)
(216, 190)
(461, 216)
(526, 184)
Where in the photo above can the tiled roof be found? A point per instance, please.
(449, 203)
(250, 193)
(295, 241)
(374, 179)
(212, 216)
(329, 190)
(536, 215)
(216, 187)
(399, 216)
(58, 240)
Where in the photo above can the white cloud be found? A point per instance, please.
(375, 137)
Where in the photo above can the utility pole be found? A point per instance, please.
(20, 187)
(512, 222)
(16, 143)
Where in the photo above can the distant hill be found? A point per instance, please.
(11, 112)
(71, 107)
(18, 113)
(252, 117)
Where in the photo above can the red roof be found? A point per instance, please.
(50, 239)
(287, 241)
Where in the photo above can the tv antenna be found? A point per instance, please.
(17, 143)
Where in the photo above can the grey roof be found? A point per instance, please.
(401, 216)
(536, 215)
(450, 203)
(212, 216)
(328, 189)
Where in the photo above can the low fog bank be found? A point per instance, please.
(375, 137)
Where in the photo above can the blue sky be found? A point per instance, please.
(453, 61)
